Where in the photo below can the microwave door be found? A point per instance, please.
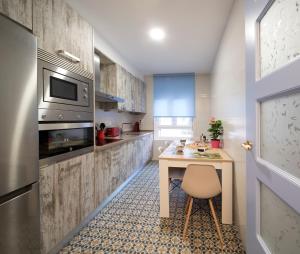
(64, 90)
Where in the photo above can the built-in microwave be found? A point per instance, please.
(64, 96)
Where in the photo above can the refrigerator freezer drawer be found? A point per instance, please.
(19, 220)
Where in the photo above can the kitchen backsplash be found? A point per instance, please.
(114, 118)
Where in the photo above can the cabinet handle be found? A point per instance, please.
(68, 55)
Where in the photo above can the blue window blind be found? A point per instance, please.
(174, 95)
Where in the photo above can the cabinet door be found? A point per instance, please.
(121, 86)
(99, 177)
(87, 187)
(116, 167)
(18, 10)
(111, 82)
(143, 97)
(59, 27)
(106, 173)
(103, 80)
(60, 201)
(128, 98)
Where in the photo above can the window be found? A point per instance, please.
(174, 95)
(173, 105)
(173, 127)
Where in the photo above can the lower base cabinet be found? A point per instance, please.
(72, 189)
(113, 166)
(66, 197)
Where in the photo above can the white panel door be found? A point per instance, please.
(273, 126)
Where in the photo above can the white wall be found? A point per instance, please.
(114, 118)
(203, 110)
(228, 102)
(201, 119)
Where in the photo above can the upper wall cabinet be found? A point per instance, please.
(59, 27)
(117, 81)
(18, 10)
(132, 90)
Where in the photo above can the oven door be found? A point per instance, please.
(61, 141)
(62, 89)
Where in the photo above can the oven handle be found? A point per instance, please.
(62, 126)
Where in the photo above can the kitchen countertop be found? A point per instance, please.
(125, 137)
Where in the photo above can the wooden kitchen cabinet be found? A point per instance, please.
(72, 189)
(66, 197)
(59, 27)
(87, 185)
(117, 81)
(108, 79)
(121, 86)
(114, 165)
(18, 10)
(143, 97)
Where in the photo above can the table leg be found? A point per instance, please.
(227, 193)
(164, 188)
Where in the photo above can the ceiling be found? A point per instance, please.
(193, 31)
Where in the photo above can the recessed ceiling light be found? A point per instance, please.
(157, 34)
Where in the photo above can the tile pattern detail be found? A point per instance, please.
(130, 223)
(280, 35)
(280, 132)
(280, 224)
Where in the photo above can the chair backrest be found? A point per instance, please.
(201, 181)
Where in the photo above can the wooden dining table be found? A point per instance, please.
(218, 158)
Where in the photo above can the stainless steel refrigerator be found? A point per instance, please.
(19, 171)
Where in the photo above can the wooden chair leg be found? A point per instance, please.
(216, 221)
(190, 205)
(187, 204)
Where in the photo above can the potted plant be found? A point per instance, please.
(215, 130)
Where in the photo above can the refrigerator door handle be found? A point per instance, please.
(15, 194)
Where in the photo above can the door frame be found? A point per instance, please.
(283, 81)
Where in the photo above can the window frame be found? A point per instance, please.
(172, 126)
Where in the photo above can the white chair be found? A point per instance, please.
(201, 181)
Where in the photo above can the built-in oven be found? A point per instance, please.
(61, 141)
(63, 96)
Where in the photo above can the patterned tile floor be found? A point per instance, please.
(130, 223)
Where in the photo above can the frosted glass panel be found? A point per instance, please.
(280, 35)
(280, 224)
(280, 132)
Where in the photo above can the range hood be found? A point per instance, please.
(103, 97)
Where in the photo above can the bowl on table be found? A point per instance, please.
(179, 149)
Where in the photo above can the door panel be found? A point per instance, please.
(280, 132)
(279, 35)
(279, 223)
(272, 109)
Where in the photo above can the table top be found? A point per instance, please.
(212, 154)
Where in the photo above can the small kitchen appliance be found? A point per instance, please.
(112, 131)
